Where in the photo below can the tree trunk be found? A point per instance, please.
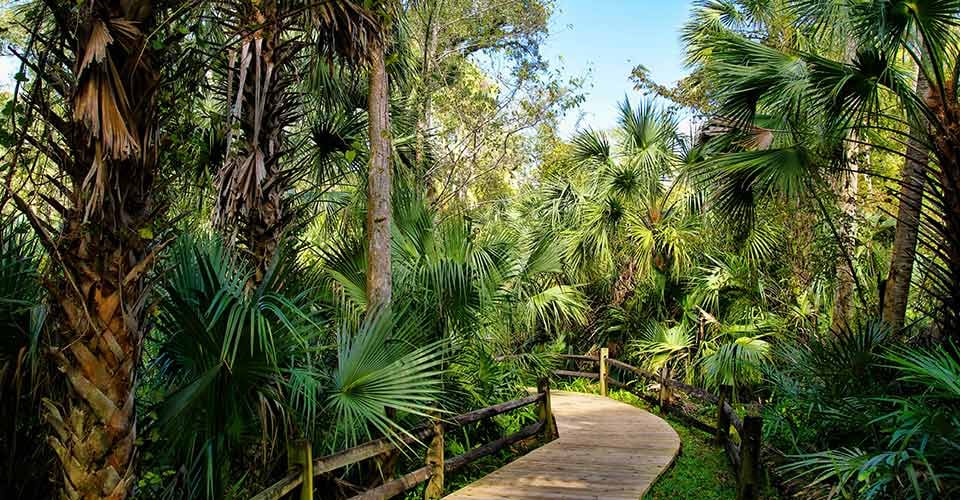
(800, 225)
(430, 44)
(847, 229)
(846, 241)
(103, 251)
(251, 183)
(379, 184)
(623, 289)
(897, 287)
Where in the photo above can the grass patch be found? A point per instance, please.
(700, 470)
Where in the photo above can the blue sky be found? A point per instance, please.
(609, 38)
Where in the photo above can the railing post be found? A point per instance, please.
(435, 460)
(604, 354)
(545, 411)
(723, 420)
(664, 396)
(749, 475)
(300, 454)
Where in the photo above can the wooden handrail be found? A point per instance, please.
(492, 447)
(631, 368)
(673, 383)
(579, 357)
(397, 486)
(296, 476)
(568, 373)
(492, 411)
(735, 419)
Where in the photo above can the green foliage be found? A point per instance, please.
(913, 453)
(243, 367)
(25, 373)
(715, 257)
(380, 367)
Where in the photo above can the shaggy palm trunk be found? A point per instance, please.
(379, 184)
(897, 287)
(103, 251)
(624, 288)
(251, 184)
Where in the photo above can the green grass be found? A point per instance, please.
(700, 470)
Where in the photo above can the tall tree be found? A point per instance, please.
(474, 126)
(380, 173)
(896, 290)
(95, 89)
(252, 183)
(846, 96)
(847, 188)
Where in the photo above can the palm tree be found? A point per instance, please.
(896, 290)
(95, 87)
(244, 370)
(359, 34)
(252, 182)
(380, 172)
(822, 27)
(634, 217)
(845, 96)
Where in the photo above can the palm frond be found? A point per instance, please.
(382, 365)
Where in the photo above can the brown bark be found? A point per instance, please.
(103, 251)
(251, 183)
(800, 223)
(897, 287)
(846, 236)
(379, 184)
(623, 289)
(847, 227)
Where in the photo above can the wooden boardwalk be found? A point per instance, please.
(606, 450)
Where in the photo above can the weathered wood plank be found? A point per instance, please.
(397, 486)
(491, 447)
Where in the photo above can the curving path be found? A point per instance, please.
(606, 450)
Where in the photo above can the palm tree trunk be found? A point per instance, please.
(101, 328)
(379, 183)
(897, 287)
(800, 225)
(250, 183)
(847, 229)
(846, 236)
(104, 249)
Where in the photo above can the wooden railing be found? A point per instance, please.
(303, 468)
(743, 456)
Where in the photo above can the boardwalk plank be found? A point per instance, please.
(607, 450)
